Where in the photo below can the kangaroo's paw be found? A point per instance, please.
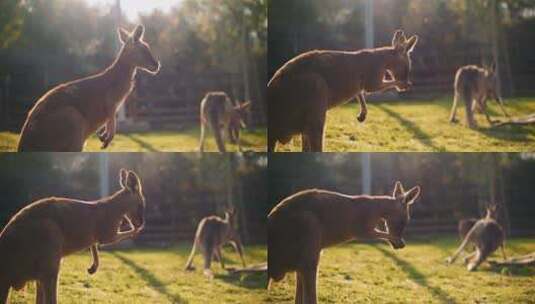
(92, 270)
(362, 116)
(106, 142)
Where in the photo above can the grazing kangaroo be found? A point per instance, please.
(212, 233)
(487, 235)
(220, 113)
(304, 88)
(63, 118)
(36, 239)
(474, 85)
(301, 225)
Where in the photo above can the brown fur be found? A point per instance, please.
(486, 235)
(36, 239)
(474, 85)
(67, 115)
(220, 113)
(212, 233)
(300, 226)
(303, 89)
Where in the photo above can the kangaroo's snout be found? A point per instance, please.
(397, 244)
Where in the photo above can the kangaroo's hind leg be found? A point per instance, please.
(453, 118)
(299, 289)
(40, 293)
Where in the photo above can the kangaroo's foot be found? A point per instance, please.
(190, 268)
(449, 260)
(454, 120)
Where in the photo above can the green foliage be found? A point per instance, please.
(358, 273)
(154, 276)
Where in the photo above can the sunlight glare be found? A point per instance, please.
(132, 8)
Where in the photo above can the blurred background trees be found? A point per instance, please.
(180, 188)
(203, 45)
(452, 33)
(454, 185)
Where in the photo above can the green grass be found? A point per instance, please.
(422, 126)
(154, 276)
(177, 141)
(360, 273)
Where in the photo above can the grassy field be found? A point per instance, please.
(182, 141)
(154, 276)
(357, 273)
(422, 126)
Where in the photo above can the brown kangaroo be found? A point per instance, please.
(474, 85)
(63, 118)
(301, 225)
(36, 239)
(486, 235)
(220, 113)
(304, 88)
(466, 224)
(212, 233)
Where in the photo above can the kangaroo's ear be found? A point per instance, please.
(410, 44)
(132, 182)
(138, 33)
(123, 34)
(399, 39)
(398, 190)
(412, 195)
(123, 174)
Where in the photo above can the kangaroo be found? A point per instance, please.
(36, 239)
(466, 224)
(63, 118)
(486, 235)
(303, 224)
(212, 233)
(304, 88)
(474, 85)
(220, 113)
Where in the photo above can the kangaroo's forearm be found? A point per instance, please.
(94, 253)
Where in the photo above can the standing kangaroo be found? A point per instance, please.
(219, 112)
(212, 233)
(474, 85)
(304, 88)
(36, 239)
(486, 235)
(301, 225)
(63, 118)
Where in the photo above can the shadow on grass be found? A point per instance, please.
(246, 280)
(416, 276)
(420, 135)
(150, 278)
(145, 145)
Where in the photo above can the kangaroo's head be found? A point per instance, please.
(137, 52)
(133, 195)
(398, 215)
(400, 66)
(240, 112)
(492, 212)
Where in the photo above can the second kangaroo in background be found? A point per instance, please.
(486, 234)
(212, 233)
(474, 85)
(305, 223)
(221, 114)
(306, 87)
